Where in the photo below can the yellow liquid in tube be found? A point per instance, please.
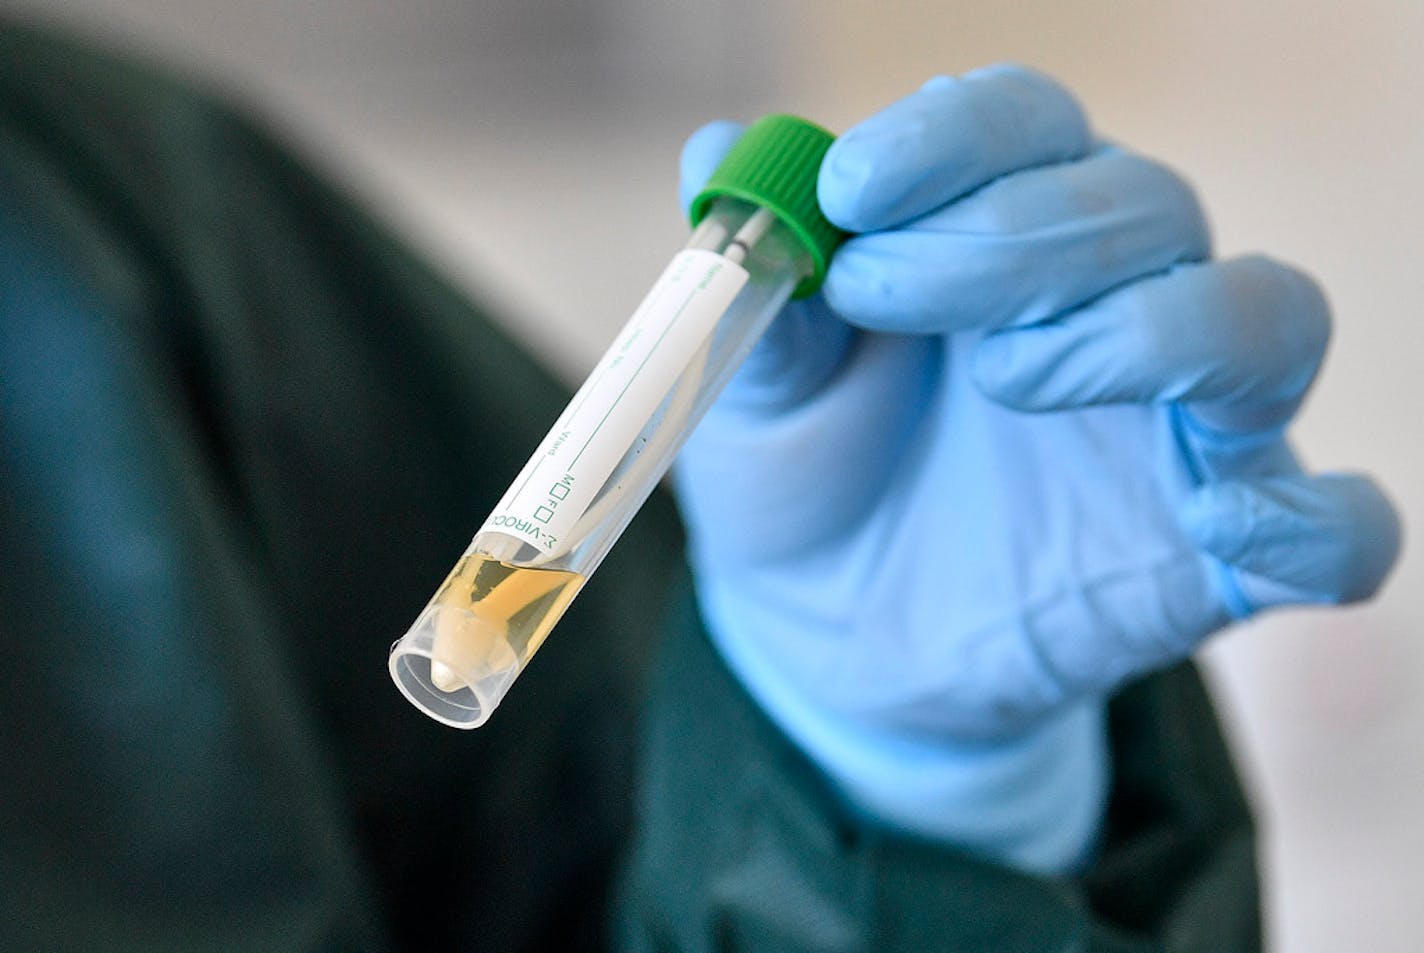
(505, 613)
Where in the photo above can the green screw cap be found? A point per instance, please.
(774, 164)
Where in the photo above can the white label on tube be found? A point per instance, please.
(608, 413)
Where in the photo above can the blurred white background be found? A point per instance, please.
(530, 147)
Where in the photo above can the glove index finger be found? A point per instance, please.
(950, 137)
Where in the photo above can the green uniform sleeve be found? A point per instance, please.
(743, 846)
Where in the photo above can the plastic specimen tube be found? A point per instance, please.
(759, 239)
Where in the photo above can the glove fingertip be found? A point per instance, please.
(867, 285)
(871, 174)
(1373, 537)
(1009, 367)
(845, 186)
(700, 155)
(1330, 539)
(993, 369)
(857, 288)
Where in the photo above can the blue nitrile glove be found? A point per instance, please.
(1028, 445)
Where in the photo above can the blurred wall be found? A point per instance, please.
(530, 149)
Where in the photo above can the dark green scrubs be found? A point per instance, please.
(243, 434)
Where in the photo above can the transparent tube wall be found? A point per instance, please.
(551, 531)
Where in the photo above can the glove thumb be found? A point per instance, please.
(700, 155)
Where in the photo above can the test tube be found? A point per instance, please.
(758, 239)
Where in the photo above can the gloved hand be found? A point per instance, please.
(1026, 445)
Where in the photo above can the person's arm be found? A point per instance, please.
(1026, 448)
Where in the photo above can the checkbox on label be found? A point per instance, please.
(559, 491)
(543, 514)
